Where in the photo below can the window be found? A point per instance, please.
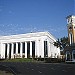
(70, 28)
(45, 49)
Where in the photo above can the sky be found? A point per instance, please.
(25, 16)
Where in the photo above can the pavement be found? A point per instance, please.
(31, 68)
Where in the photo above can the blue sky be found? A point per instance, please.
(24, 16)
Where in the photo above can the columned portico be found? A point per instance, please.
(13, 49)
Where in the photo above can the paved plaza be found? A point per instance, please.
(26, 68)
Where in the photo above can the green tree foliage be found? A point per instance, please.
(62, 42)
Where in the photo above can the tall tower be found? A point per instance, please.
(71, 28)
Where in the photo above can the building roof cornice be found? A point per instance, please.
(28, 35)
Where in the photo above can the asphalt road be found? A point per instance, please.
(40, 68)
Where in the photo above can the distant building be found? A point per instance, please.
(70, 50)
(39, 44)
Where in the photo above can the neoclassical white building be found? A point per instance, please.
(39, 44)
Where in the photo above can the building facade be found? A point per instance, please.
(70, 50)
(39, 44)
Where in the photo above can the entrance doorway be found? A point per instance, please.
(68, 56)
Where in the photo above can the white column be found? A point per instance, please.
(21, 46)
(2, 55)
(25, 49)
(12, 54)
(51, 50)
(42, 48)
(48, 49)
(7, 50)
(3, 50)
(30, 49)
(16, 48)
(70, 38)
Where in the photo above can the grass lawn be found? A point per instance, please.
(18, 60)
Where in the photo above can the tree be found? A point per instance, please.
(62, 42)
